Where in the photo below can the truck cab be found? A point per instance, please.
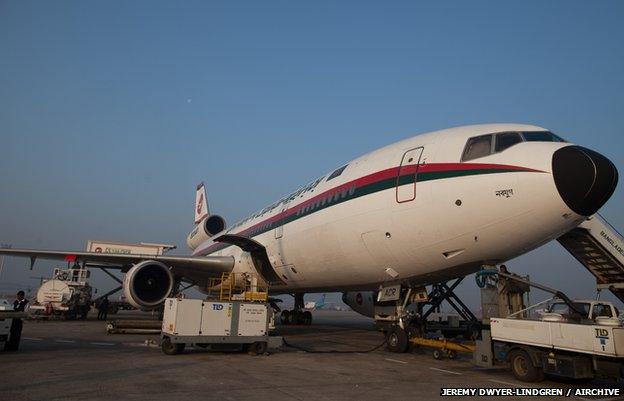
(594, 312)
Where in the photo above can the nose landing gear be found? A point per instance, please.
(409, 326)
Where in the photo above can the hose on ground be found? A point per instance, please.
(333, 351)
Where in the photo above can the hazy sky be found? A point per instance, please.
(111, 112)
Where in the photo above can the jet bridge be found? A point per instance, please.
(600, 248)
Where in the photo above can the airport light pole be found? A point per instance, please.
(3, 258)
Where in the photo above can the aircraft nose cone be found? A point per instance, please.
(585, 179)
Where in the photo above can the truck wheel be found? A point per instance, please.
(170, 348)
(397, 340)
(437, 354)
(258, 348)
(522, 367)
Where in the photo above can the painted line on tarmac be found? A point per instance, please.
(32, 339)
(447, 371)
(64, 341)
(395, 360)
(96, 343)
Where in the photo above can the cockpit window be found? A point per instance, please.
(337, 172)
(541, 136)
(506, 140)
(476, 147)
(485, 145)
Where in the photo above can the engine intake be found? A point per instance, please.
(208, 227)
(147, 284)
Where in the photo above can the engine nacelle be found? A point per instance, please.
(147, 284)
(362, 302)
(208, 227)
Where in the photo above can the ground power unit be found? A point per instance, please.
(210, 323)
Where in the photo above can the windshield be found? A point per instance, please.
(541, 136)
(564, 309)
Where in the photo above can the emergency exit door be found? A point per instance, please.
(407, 175)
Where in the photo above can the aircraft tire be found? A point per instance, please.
(285, 317)
(397, 340)
(307, 318)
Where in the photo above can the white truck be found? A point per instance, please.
(578, 339)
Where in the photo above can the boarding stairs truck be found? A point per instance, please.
(600, 248)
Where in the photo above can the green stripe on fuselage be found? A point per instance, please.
(382, 185)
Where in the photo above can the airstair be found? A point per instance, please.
(600, 248)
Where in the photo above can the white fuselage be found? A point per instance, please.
(366, 226)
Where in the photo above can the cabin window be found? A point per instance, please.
(476, 147)
(506, 140)
(337, 172)
(541, 136)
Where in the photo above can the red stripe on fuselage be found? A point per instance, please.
(371, 179)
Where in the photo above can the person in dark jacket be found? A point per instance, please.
(103, 309)
(19, 305)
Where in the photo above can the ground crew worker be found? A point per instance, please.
(103, 309)
(19, 305)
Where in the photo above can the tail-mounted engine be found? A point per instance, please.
(208, 227)
(147, 284)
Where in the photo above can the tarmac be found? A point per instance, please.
(77, 360)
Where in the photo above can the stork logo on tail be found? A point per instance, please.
(200, 203)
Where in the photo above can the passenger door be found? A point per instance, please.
(407, 175)
(279, 230)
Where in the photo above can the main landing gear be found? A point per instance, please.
(297, 315)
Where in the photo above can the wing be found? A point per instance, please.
(190, 268)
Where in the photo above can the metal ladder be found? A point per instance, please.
(226, 287)
(598, 247)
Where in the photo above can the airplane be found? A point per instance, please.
(423, 210)
(316, 305)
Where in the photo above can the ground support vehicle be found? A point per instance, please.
(210, 324)
(238, 315)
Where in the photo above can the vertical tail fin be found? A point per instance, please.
(201, 204)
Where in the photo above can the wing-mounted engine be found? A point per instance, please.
(147, 284)
(206, 225)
